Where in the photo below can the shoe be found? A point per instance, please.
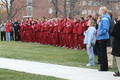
(89, 65)
(75, 48)
(118, 74)
(83, 49)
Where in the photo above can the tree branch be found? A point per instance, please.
(56, 7)
(18, 10)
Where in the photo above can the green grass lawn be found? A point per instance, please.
(46, 54)
(14, 75)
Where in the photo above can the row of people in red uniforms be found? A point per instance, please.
(63, 32)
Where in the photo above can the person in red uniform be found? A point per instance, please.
(50, 30)
(61, 25)
(36, 31)
(8, 26)
(81, 30)
(26, 32)
(75, 35)
(69, 33)
(30, 29)
(22, 35)
(55, 32)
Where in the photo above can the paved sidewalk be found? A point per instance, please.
(66, 72)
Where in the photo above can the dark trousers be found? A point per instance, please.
(97, 51)
(3, 35)
(17, 35)
(11, 35)
(104, 60)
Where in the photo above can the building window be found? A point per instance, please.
(67, 1)
(89, 12)
(84, 12)
(29, 11)
(89, 3)
(51, 10)
(84, 3)
(29, 2)
(95, 3)
(50, 1)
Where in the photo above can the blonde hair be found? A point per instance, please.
(104, 9)
(92, 23)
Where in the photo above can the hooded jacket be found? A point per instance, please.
(90, 36)
(115, 32)
(103, 28)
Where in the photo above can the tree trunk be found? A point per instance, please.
(65, 9)
(72, 7)
(56, 11)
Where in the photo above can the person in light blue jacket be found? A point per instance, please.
(89, 40)
(103, 36)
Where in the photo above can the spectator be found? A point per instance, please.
(116, 44)
(103, 37)
(11, 31)
(16, 26)
(8, 26)
(2, 26)
(109, 44)
(95, 17)
(89, 40)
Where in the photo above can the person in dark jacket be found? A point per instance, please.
(95, 17)
(16, 26)
(116, 44)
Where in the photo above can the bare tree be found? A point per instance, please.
(9, 7)
(70, 9)
(3, 13)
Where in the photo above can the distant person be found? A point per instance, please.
(16, 26)
(3, 33)
(116, 44)
(89, 40)
(11, 31)
(109, 44)
(95, 17)
(8, 27)
(103, 36)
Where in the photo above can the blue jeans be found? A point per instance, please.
(7, 36)
(90, 54)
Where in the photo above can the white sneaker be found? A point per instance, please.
(89, 65)
(76, 49)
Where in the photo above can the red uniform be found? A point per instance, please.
(22, 31)
(75, 34)
(69, 34)
(55, 34)
(81, 30)
(61, 27)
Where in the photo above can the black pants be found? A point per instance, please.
(97, 51)
(17, 35)
(12, 36)
(3, 35)
(104, 60)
